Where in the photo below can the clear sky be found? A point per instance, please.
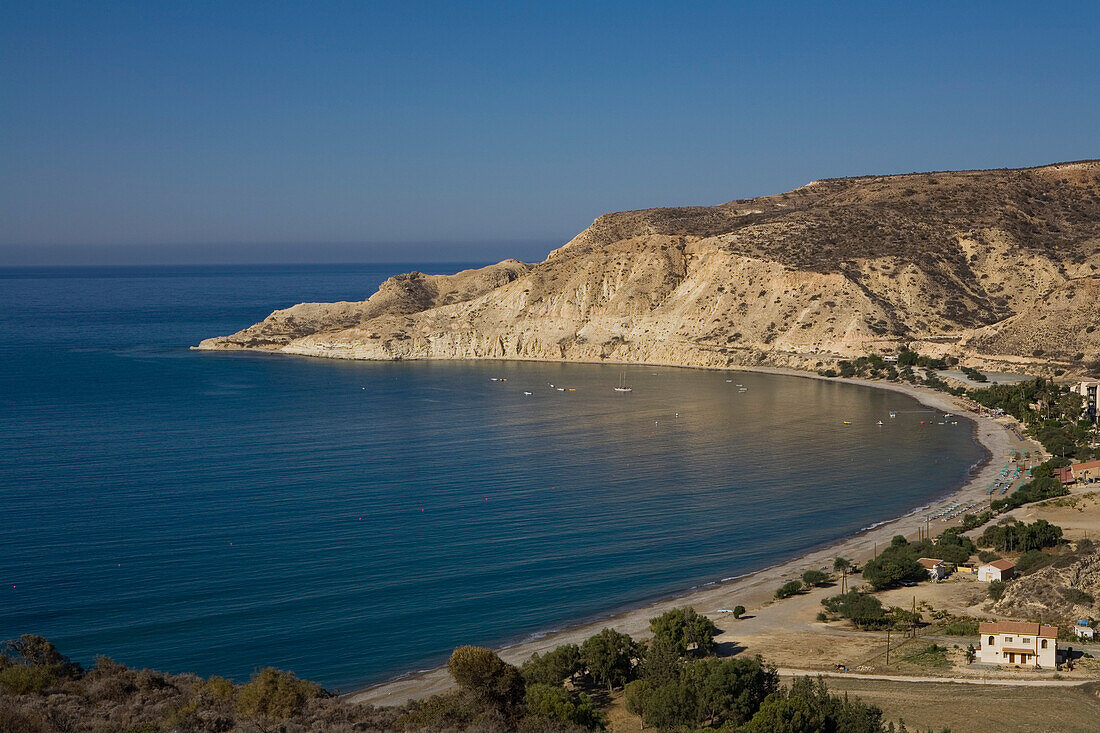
(297, 131)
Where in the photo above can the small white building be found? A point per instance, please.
(996, 570)
(937, 569)
(1083, 630)
(1018, 643)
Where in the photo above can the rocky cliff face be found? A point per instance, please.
(1000, 267)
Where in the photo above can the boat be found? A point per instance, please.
(622, 384)
(879, 422)
(893, 414)
(847, 422)
(527, 393)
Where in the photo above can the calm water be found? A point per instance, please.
(353, 521)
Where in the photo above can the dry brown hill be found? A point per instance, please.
(1000, 267)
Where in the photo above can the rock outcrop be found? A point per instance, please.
(999, 267)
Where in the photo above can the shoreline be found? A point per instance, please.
(753, 589)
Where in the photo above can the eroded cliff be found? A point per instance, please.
(1001, 267)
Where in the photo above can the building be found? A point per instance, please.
(1064, 474)
(996, 570)
(937, 569)
(1083, 630)
(1085, 473)
(1089, 391)
(1019, 643)
(966, 569)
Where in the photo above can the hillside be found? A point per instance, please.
(1000, 267)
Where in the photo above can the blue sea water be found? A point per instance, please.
(348, 521)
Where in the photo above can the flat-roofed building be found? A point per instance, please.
(1019, 643)
(1088, 390)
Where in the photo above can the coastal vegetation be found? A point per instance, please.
(672, 681)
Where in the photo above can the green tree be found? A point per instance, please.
(895, 564)
(609, 657)
(554, 667)
(729, 691)
(661, 662)
(686, 629)
(996, 589)
(738, 611)
(481, 672)
(557, 703)
(862, 609)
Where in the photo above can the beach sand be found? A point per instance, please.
(755, 590)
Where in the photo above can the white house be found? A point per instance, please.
(1018, 643)
(996, 570)
(937, 569)
(1083, 630)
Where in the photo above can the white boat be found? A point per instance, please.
(622, 384)
(527, 393)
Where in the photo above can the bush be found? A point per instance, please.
(22, 679)
(789, 589)
(988, 556)
(1077, 596)
(482, 673)
(738, 611)
(814, 578)
(961, 627)
(276, 695)
(997, 589)
(1032, 560)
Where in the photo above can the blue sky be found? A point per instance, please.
(464, 131)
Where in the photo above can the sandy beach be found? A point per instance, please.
(754, 590)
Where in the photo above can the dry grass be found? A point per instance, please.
(977, 708)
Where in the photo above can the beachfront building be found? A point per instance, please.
(1018, 643)
(1089, 391)
(996, 570)
(1083, 631)
(937, 569)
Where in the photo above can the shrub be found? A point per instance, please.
(789, 589)
(482, 673)
(1077, 596)
(997, 589)
(738, 611)
(987, 556)
(961, 627)
(1032, 560)
(814, 578)
(275, 694)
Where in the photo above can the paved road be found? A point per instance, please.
(788, 672)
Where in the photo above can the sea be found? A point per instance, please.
(355, 521)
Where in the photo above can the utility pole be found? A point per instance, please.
(887, 646)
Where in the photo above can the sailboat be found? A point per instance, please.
(622, 384)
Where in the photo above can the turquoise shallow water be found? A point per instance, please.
(353, 521)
